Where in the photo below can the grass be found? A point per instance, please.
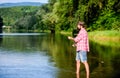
(105, 35)
(109, 37)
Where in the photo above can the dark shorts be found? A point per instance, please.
(81, 56)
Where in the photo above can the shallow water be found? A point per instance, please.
(41, 55)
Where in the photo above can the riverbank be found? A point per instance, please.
(108, 37)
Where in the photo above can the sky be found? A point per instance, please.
(15, 1)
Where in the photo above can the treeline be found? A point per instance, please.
(97, 14)
(63, 15)
(22, 18)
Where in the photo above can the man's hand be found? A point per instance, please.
(70, 38)
(74, 45)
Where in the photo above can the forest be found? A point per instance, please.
(63, 15)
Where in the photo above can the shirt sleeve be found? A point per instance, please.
(78, 37)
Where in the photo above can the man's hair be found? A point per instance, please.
(81, 23)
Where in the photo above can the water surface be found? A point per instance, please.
(41, 55)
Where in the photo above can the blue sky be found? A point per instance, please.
(14, 1)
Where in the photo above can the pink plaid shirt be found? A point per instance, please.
(81, 40)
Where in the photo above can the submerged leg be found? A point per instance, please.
(77, 67)
(87, 69)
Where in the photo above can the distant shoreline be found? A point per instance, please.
(2, 5)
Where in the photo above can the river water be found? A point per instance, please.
(42, 55)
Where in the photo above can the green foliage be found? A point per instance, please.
(20, 17)
(63, 15)
(80, 14)
(98, 14)
(104, 21)
(26, 22)
(107, 19)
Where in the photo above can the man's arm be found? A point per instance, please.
(70, 38)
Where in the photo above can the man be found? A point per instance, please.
(82, 47)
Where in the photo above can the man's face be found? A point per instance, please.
(79, 27)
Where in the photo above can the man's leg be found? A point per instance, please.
(77, 66)
(77, 75)
(87, 69)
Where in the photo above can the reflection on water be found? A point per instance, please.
(36, 55)
(103, 61)
(20, 65)
(21, 57)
